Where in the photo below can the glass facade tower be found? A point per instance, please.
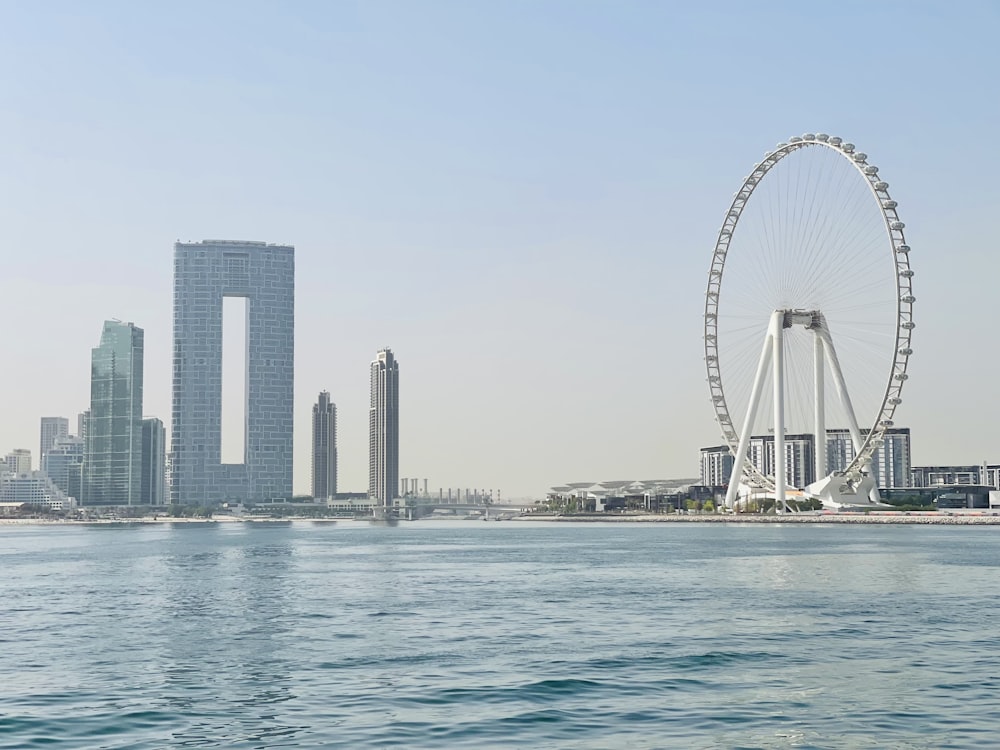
(205, 273)
(113, 453)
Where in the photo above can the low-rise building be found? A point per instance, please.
(34, 488)
(64, 465)
(986, 475)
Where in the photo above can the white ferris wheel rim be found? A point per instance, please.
(899, 251)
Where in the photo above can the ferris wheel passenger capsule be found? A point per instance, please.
(904, 249)
(871, 169)
(835, 140)
(889, 204)
(881, 185)
(822, 137)
(906, 273)
(809, 136)
(860, 157)
(795, 139)
(897, 225)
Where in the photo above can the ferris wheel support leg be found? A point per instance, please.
(820, 412)
(778, 360)
(845, 400)
(751, 415)
(873, 493)
(841, 386)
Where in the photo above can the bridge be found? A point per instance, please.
(421, 507)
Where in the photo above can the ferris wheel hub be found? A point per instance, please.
(805, 318)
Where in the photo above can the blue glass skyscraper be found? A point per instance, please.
(113, 451)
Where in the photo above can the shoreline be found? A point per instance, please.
(917, 519)
(151, 521)
(913, 519)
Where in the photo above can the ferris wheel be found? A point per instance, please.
(810, 282)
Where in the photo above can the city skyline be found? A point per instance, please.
(546, 251)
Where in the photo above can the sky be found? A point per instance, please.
(519, 198)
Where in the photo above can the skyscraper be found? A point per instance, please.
(261, 278)
(324, 455)
(51, 428)
(113, 452)
(154, 454)
(383, 428)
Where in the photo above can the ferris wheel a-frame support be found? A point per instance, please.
(830, 488)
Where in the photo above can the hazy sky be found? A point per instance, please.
(519, 198)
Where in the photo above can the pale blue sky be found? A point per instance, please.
(520, 198)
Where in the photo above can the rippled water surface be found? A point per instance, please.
(499, 635)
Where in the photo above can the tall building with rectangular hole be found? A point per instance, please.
(246, 405)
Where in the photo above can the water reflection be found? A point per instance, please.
(229, 662)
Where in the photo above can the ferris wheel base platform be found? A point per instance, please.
(837, 493)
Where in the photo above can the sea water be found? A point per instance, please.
(499, 635)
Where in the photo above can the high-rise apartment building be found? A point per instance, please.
(64, 465)
(890, 462)
(113, 452)
(261, 278)
(18, 461)
(717, 462)
(716, 466)
(154, 456)
(383, 428)
(324, 447)
(800, 466)
(51, 428)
